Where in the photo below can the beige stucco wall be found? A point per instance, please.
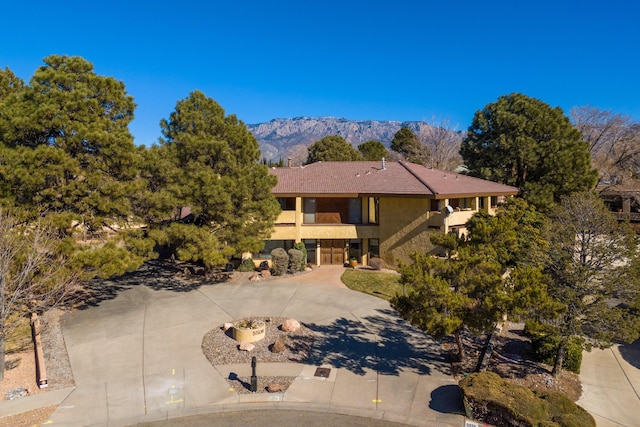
(406, 224)
(404, 228)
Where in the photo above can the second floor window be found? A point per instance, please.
(327, 210)
(309, 210)
(287, 203)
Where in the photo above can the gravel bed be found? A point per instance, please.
(21, 380)
(56, 359)
(242, 385)
(220, 348)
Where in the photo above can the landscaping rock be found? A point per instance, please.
(246, 346)
(265, 273)
(16, 393)
(278, 346)
(275, 388)
(227, 326)
(290, 325)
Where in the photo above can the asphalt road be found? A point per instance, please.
(280, 418)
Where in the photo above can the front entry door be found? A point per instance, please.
(332, 251)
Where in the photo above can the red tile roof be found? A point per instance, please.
(369, 178)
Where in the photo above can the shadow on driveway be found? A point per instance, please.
(631, 353)
(447, 400)
(156, 275)
(383, 343)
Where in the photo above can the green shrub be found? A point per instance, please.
(564, 411)
(301, 247)
(279, 262)
(246, 265)
(495, 400)
(296, 260)
(545, 344)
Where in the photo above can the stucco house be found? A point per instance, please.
(361, 210)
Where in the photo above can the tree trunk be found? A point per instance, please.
(1, 357)
(460, 348)
(557, 366)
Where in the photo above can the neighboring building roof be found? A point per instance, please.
(370, 178)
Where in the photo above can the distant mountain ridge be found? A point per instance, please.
(289, 138)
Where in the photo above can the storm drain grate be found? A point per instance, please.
(322, 372)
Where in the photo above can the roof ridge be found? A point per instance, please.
(422, 181)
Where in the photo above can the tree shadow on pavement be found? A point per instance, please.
(383, 343)
(631, 353)
(156, 275)
(446, 399)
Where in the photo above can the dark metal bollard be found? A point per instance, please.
(254, 378)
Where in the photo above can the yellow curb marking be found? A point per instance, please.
(377, 400)
(174, 401)
(173, 390)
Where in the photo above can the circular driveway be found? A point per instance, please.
(136, 356)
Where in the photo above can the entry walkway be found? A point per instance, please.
(137, 357)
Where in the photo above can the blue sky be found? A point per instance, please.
(381, 60)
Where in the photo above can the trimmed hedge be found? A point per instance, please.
(279, 262)
(302, 248)
(492, 399)
(545, 346)
(296, 260)
(246, 265)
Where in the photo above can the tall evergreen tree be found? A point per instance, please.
(210, 164)
(523, 142)
(591, 262)
(67, 154)
(406, 143)
(332, 148)
(373, 150)
(495, 272)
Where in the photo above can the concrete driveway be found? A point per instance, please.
(136, 354)
(611, 385)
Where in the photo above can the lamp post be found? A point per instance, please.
(254, 378)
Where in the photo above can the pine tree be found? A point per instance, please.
(67, 155)
(210, 165)
(524, 142)
(591, 262)
(373, 150)
(332, 148)
(406, 143)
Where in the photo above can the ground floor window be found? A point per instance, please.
(310, 245)
(374, 248)
(355, 249)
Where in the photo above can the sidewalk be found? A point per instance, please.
(137, 357)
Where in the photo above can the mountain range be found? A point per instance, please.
(289, 138)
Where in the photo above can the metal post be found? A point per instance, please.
(254, 378)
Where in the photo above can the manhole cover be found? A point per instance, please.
(322, 372)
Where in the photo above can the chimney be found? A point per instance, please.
(384, 164)
(289, 162)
